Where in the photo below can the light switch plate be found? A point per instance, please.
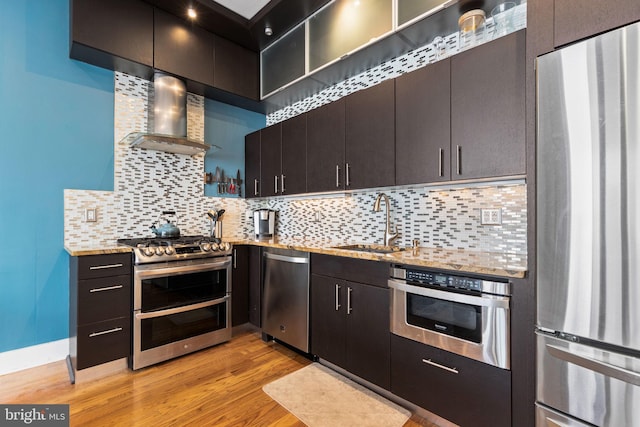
(491, 216)
(90, 215)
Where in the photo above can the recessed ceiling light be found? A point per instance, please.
(191, 12)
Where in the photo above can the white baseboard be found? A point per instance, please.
(36, 355)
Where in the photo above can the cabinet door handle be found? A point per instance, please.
(107, 288)
(275, 183)
(338, 297)
(102, 267)
(440, 162)
(437, 365)
(108, 331)
(458, 158)
(349, 308)
(235, 259)
(282, 177)
(337, 176)
(347, 180)
(255, 187)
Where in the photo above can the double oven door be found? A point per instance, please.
(180, 307)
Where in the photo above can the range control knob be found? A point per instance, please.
(159, 251)
(225, 246)
(214, 246)
(147, 251)
(205, 247)
(169, 250)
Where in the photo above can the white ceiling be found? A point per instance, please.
(246, 8)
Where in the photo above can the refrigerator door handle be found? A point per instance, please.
(598, 366)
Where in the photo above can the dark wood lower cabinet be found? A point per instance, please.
(461, 390)
(255, 286)
(240, 286)
(103, 342)
(350, 320)
(100, 296)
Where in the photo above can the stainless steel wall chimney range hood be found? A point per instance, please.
(168, 120)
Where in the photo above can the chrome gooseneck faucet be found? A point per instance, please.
(388, 235)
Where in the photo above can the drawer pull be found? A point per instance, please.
(437, 365)
(108, 288)
(102, 267)
(108, 331)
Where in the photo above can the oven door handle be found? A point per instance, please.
(170, 311)
(182, 269)
(492, 301)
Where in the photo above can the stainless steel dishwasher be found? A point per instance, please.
(285, 298)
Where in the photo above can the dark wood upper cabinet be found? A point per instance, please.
(183, 49)
(294, 155)
(236, 69)
(325, 147)
(488, 109)
(423, 125)
(270, 160)
(252, 164)
(115, 34)
(370, 137)
(573, 21)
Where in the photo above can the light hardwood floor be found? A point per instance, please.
(219, 386)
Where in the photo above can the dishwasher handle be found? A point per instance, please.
(284, 258)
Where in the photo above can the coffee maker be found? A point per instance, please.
(264, 222)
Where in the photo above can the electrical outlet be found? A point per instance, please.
(90, 215)
(491, 216)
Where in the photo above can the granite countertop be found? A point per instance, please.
(491, 263)
(98, 248)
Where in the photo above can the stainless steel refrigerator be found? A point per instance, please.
(588, 233)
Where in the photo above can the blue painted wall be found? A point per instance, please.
(56, 132)
(226, 127)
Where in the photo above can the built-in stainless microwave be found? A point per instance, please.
(464, 315)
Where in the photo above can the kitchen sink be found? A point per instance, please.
(372, 248)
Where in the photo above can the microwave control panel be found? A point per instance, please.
(452, 281)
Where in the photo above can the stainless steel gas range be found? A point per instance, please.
(181, 296)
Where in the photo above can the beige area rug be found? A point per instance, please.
(320, 397)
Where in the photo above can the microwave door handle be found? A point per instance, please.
(484, 301)
(170, 311)
(595, 365)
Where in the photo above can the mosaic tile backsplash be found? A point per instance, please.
(148, 182)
